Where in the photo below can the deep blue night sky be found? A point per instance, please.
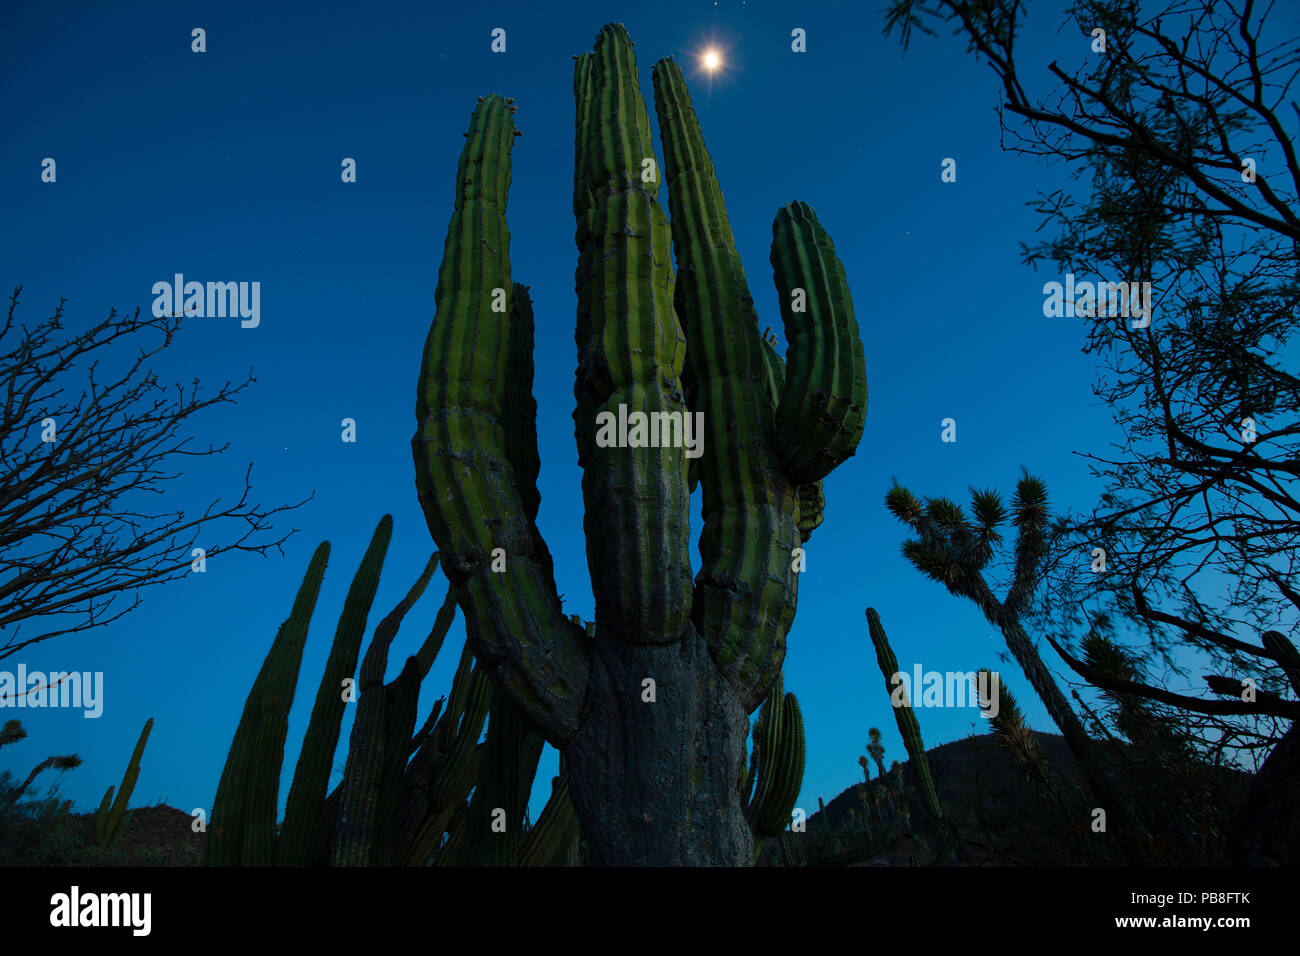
(226, 166)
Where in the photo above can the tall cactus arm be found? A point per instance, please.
(469, 465)
(509, 765)
(782, 766)
(455, 779)
(904, 716)
(101, 816)
(767, 737)
(824, 404)
(244, 810)
(357, 836)
(116, 816)
(631, 354)
(445, 766)
(305, 808)
(520, 420)
(746, 589)
(401, 699)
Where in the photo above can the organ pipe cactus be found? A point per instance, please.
(244, 811)
(553, 840)
(776, 768)
(904, 716)
(655, 778)
(910, 730)
(305, 809)
(402, 790)
(242, 829)
(113, 817)
(510, 759)
(379, 748)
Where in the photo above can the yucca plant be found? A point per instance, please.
(954, 549)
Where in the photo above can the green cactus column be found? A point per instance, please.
(745, 595)
(631, 353)
(904, 716)
(675, 798)
(113, 817)
(476, 484)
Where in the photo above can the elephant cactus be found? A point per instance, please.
(652, 709)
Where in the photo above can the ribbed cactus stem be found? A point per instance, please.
(824, 404)
(244, 811)
(305, 808)
(631, 354)
(366, 808)
(812, 502)
(767, 737)
(556, 832)
(116, 817)
(458, 772)
(746, 589)
(472, 460)
(509, 764)
(659, 785)
(401, 701)
(779, 762)
(904, 716)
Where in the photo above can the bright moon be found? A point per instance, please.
(712, 60)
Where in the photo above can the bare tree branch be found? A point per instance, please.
(74, 535)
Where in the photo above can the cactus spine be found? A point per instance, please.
(767, 442)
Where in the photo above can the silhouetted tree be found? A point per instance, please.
(73, 536)
(1180, 117)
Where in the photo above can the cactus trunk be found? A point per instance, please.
(658, 784)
